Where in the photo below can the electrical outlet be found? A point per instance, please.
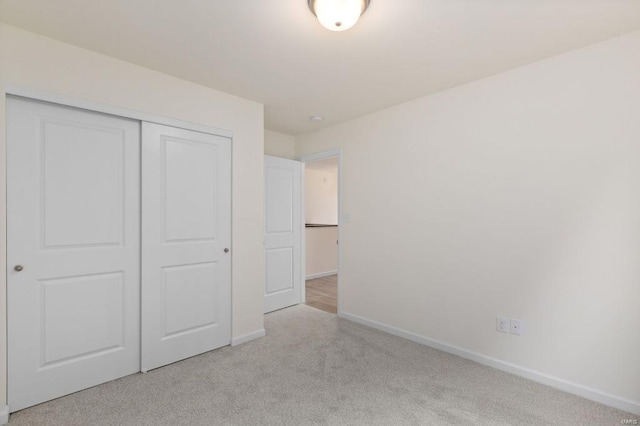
(517, 326)
(502, 324)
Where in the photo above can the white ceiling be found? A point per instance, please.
(275, 52)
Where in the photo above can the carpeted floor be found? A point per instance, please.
(313, 368)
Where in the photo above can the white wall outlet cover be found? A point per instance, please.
(517, 327)
(502, 324)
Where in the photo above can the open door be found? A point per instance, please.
(283, 233)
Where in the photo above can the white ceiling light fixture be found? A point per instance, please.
(338, 15)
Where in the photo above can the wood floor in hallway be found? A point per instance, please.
(321, 293)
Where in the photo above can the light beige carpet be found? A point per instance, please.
(313, 368)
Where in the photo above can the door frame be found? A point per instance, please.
(69, 101)
(337, 152)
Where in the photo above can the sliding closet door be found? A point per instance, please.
(73, 250)
(186, 236)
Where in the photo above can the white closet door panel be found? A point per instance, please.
(283, 233)
(73, 225)
(186, 216)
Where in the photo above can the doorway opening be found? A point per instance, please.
(322, 230)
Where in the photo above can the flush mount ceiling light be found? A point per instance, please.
(338, 15)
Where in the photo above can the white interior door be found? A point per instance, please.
(283, 233)
(73, 250)
(186, 236)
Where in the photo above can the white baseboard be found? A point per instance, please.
(536, 376)
(4, 415)
(248, 337)
(321, 275)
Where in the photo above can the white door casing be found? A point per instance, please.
(283, 233)
(186, 228)
(73, 226)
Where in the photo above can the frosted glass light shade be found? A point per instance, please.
(338, 15)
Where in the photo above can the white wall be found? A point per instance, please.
(321, 196)
(516, 195)
(321, 251)
(29, 61)
(279, 145)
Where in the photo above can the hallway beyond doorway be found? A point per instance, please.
(321, 293)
